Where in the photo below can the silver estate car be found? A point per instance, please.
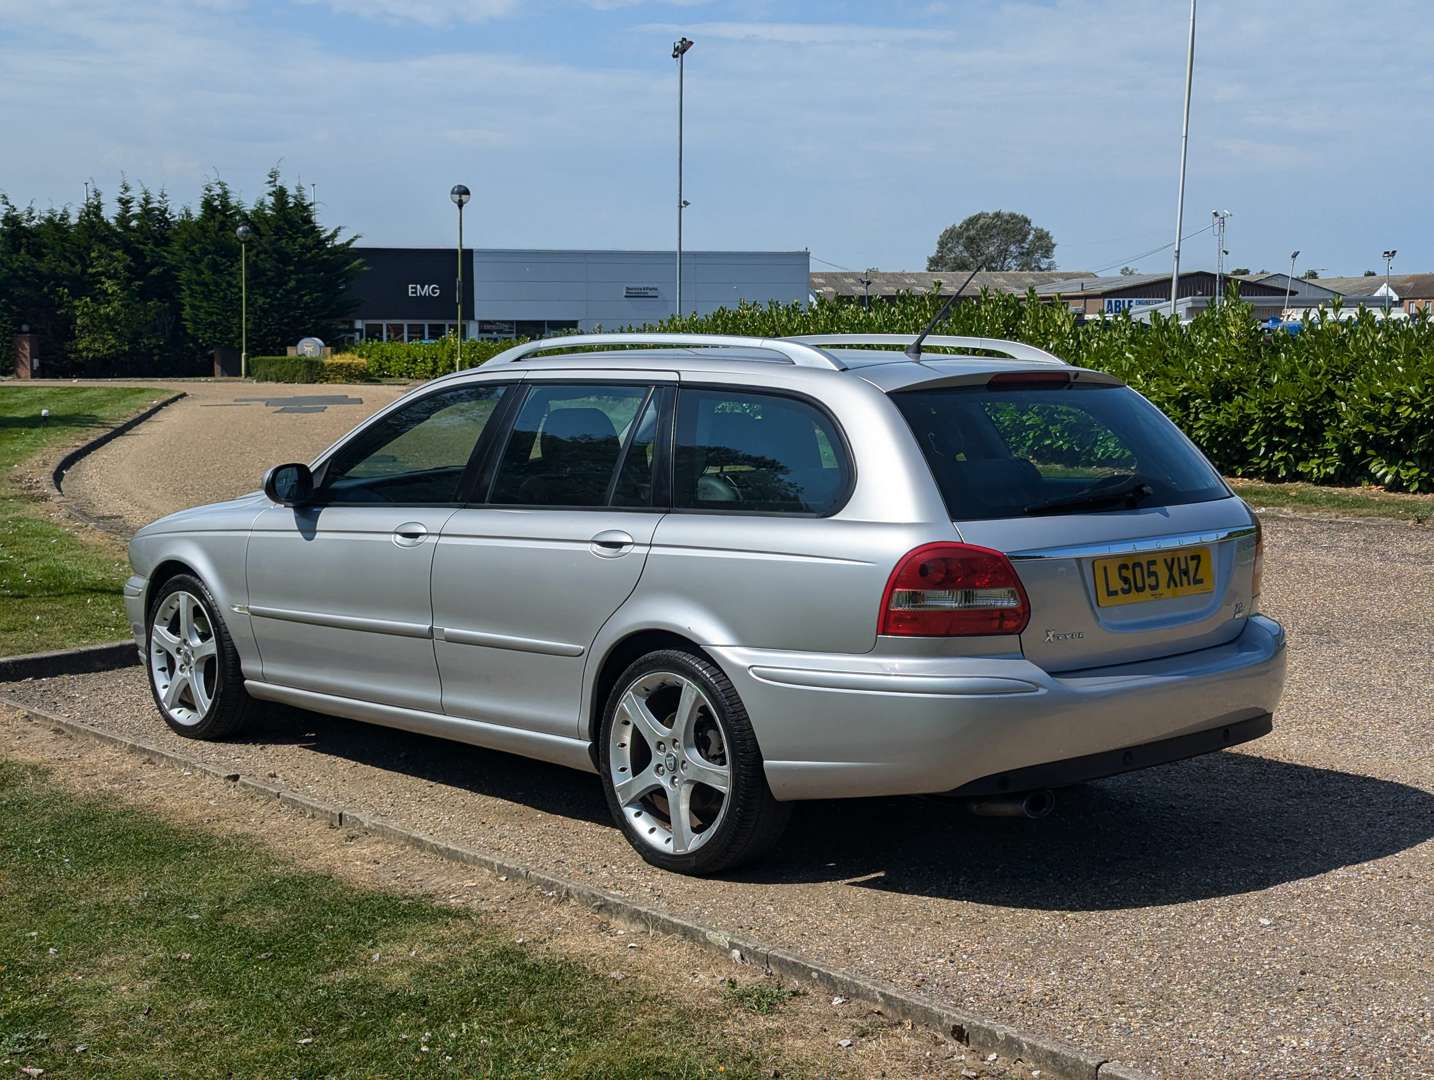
(725, 574)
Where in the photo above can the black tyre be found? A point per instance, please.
(681, 768)
(192, 663)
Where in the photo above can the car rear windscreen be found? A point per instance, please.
(1037, 450)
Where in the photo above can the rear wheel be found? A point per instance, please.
(681, 768)
(193, 666)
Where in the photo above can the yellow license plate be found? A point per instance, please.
(1161, 575)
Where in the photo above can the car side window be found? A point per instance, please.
(565, 444)
(415, 454)
(760, 453)
(634, 485)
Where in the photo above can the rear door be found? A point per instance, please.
(524, 579)
(1128, 543)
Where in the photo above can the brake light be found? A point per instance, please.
(1259, 569)
(1010, 379)
(953, 590)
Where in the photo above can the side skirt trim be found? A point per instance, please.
(552, 748)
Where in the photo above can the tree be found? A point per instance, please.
(1240, 270)
(299, 273)
(1310, 275)
(1128, 271)
(1370, 273)
(206, 253)
(994, 240)
(114, 324)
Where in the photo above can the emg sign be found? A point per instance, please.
(409, 284)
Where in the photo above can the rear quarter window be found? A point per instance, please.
(741, 451)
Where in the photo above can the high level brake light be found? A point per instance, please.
(953, 590)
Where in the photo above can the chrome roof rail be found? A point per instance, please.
(1016, 350)
(800, 353)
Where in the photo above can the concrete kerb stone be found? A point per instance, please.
(72, 456)
(80, 661)
(1114, 1070)
(1055, 1058)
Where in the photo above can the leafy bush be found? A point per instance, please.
(340, 368)
(285, 369)
(1338, 403)
(424, 359)
(344, 368)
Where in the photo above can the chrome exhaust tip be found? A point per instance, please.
(1031, 804)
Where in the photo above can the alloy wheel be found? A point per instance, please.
(668, 761)
(183, 658)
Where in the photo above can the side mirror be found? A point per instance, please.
(289, 485)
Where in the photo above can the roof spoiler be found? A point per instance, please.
(1016, 350)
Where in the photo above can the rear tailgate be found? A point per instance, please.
(1118, 587)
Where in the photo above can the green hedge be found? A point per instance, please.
(287, 369)
(1338, 403)
(426, 359)
(344, 368)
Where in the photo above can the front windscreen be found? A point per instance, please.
(1036, 450)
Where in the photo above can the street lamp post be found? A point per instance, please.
(1184, 147)
(1217, 220)
(679, 53)
(243, 232)
(1388, 261)
(1289, 283)
(460, 195)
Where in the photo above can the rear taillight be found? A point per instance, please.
(954, 590)
(1259, 571)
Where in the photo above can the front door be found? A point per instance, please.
(339, 588)
(523, 582)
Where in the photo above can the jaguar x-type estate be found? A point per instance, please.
(725, 574)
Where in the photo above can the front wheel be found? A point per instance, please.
(193, 666)
(681, 768)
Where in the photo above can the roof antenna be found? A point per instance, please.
(914, 349)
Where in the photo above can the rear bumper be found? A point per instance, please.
(835, 726)
(1114, 762)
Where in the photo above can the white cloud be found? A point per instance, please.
(424, 12)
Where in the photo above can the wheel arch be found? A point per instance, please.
(166, 570)
(622, 653)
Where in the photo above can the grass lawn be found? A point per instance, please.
(1337, 501)
(58, 588)
(132, 946)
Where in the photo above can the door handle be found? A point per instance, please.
(410, 534)
(612, 543)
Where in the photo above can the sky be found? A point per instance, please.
(857, 130)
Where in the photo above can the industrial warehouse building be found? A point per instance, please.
(410, 294)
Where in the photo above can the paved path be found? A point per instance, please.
(215, 444)
(1266, 912)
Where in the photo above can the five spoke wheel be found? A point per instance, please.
(183, 658)
(668, 761)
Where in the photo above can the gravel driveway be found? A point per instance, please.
(215, 444)
(1265, 912)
